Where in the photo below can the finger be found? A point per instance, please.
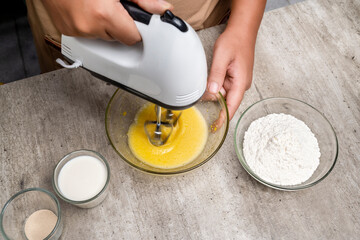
(107, 36)
(223, 91)
(209, 97)
(121, 26)
(234, 98)
(217, 72)
(154, 6)
(219, 121)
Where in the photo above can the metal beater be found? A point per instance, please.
(159, 131)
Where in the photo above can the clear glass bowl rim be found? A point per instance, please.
(220, 97)
(28, 190)
(241, 158)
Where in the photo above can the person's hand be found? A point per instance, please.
(106, 19)
(231, 69)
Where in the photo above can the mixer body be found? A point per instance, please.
(168, 67)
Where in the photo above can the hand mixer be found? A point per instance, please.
(167, 68)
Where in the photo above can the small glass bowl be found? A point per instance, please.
(24, 203)
(98, 198)
(316, 121)
(121, 112)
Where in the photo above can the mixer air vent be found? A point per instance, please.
(66, 50)
(188, 97)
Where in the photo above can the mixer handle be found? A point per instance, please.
(136, 12)
(140, 15)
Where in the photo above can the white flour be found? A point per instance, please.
(281, 149)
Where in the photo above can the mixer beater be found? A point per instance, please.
(159, 131)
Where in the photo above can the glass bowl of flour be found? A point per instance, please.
(285, 143)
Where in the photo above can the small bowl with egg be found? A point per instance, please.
(285, 143)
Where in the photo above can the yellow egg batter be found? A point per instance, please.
(185, 143)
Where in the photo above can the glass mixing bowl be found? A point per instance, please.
(316, 121)
(121, 112)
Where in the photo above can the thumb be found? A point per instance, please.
(217, 72)
(154, 6)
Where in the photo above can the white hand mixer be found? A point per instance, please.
(167, 68)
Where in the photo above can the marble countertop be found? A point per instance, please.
(309, 51)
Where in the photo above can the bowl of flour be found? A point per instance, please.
(285, 143)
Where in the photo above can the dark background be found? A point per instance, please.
(18, 57)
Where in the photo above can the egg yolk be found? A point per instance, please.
(186, 141)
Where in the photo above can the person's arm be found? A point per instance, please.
(233, 58)
(106, 19)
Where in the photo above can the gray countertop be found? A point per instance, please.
(309, 51)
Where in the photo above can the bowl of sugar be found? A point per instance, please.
(81, 178)
(32, 213)
(285, 143)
